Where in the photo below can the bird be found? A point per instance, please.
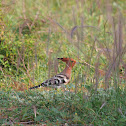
(62, 78)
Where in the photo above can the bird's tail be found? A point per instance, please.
(40, 85)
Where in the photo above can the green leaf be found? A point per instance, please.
(1, 56)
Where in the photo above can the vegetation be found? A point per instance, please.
(34, 34)
(55, 108)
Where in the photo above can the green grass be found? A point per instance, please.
(55, 108)
(35, 33)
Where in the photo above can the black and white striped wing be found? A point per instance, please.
(56, 81)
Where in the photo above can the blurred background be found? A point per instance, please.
(35, 33)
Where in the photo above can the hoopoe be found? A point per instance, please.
(62, 78)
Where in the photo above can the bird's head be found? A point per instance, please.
(69, 61)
